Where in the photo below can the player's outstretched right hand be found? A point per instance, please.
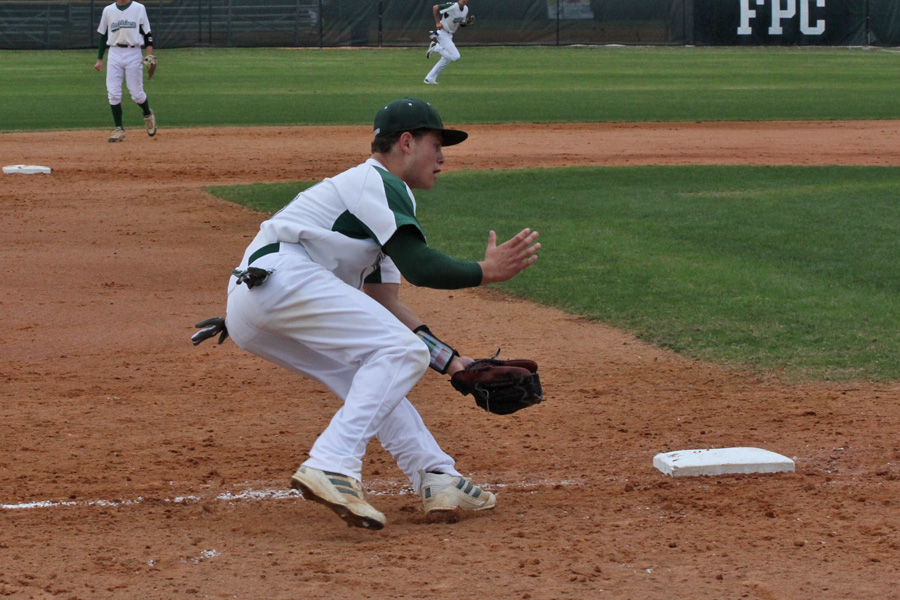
(510, 258)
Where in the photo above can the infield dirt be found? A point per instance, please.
(134, 465)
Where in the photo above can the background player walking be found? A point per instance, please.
(124, 28)
(317, 293)
(447, 18)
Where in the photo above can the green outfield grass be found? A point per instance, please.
(772, 268)
(203, 87)
(780, 268)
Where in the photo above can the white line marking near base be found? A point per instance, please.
(379, 487)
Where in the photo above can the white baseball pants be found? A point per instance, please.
(447, 49)
(124, 64)
(306, 320)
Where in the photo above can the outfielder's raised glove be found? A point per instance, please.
(501, 387)
(150, 62)
(470, 20)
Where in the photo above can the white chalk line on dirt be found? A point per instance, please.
(387, 489)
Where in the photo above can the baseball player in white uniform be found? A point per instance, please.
(124, 28)
(448, 17)
(317, 293)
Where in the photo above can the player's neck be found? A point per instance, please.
(392, 161)
(382, 158)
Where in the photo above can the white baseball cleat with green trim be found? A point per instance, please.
(342, 494)
(150, 122)
(441, 492)
(118, 135)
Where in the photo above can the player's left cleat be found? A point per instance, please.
(118, 135)
(150, 122)
(430, 49)
(442, 492)
(342, 494)
(430, 82)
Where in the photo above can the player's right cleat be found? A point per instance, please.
(150, 122)
(430, 82)
(342, 494)
(430, 49)
(441, 492)
(118, 135)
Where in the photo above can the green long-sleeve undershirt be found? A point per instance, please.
(427, 267)
(101, 47)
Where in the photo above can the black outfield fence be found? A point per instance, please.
(65, 24)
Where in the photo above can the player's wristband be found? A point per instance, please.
(441, 353)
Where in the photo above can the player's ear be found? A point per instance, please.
(404, 141)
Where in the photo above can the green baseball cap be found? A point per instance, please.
(408, 114)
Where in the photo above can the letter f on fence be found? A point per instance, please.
(747, 13)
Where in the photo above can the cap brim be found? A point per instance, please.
(451, 137)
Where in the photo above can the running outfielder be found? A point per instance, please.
(317, 293)
(124, 27)
(447, 18)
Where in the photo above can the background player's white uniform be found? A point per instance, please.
(451, 17)
(125, 28)
(312, 317)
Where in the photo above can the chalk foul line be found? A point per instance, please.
(374, 488)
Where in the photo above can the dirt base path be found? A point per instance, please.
(134, 465)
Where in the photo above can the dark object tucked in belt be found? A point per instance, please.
(252, 276)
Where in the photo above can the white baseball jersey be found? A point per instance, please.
(452, 15)
(343, 221)
(124, 25)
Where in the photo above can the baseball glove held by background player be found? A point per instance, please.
(501, 387)
(150, 62)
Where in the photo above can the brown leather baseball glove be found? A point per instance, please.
(150, 62)
(501, 387)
